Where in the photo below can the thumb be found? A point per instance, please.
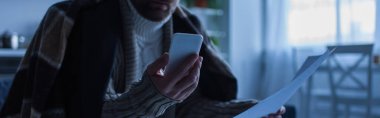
(158, 64)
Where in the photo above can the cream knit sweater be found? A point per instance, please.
(148, 35)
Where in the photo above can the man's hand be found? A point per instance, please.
(179, 84)
(278, 114)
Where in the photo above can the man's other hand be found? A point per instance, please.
(179, 84)
(278, 114)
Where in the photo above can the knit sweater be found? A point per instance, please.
(148, 35)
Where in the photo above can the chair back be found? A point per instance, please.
(350, 75)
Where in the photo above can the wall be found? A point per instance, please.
(22, 16)
(245, 44)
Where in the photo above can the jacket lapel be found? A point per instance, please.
(101, 31)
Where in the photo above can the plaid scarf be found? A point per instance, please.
(32, 92)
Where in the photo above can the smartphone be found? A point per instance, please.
(182, 46)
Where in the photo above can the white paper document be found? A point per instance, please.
(272, 103)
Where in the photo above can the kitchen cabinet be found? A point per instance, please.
(10, 59)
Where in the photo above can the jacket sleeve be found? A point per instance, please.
(142, 100)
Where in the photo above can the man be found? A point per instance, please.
(105, 58)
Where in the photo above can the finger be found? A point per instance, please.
(174, 95)
(183, 68)
(158, 64)
(281, 111)
(188, 91)
(160, 72)
(185, 91)
(191, 78)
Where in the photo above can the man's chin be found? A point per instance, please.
(157, 16)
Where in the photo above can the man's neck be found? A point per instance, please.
(143, 24)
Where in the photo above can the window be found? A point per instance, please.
(331, 22)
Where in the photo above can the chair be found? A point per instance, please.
(349, 73)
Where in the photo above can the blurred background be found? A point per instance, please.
(265, 42)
